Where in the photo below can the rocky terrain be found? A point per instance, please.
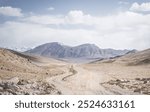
(132, 72)
(137, 85)
(16, 86)
(24, 74)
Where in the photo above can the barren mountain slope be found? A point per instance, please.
(22, 74)
(13, 63)
(138, 58)
(113, 76)
(130, 72)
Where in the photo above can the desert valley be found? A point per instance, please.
(55, 69)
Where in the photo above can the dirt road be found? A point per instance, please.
(78, 80)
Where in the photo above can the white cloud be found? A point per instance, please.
(123, 2)
(28, 34)
(140, 7)
(51, 8)
(44, 19)
(77, 17)
(10, 11)
(119, 31)
(73, 17)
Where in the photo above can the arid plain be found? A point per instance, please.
(27, 74)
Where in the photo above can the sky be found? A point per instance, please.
(117, 24)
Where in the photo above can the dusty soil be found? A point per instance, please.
(37, 75)
(95, 79)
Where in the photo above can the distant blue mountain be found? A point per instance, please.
(86, 51)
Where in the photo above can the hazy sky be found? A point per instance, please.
(118, 24)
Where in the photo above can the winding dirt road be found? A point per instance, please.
(79, 81)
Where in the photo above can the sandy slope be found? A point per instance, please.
(14, 64)
(25, 74)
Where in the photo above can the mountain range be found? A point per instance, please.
(84, 51)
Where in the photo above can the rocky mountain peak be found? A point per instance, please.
(86, 51)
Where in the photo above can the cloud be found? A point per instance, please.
(123, 2)
(10, 11)
(28, 34)
(73, 17)
(51, 8)
(44, 19)
(120, 31)
(140, 7)
(77, 17)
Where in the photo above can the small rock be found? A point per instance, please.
(137, 90)
(118, 80)
(137, 79)
(14, 80)
(12, 92)
(143, 79)
(146, 92)
(145, 82)
(26, 93)
(59, 93)
(1, 88)
(22, 82)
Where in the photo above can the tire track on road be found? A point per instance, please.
(73, 71)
